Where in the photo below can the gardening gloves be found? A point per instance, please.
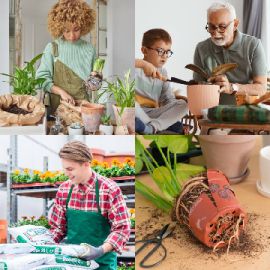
(91, 252)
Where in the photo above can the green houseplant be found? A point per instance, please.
(23, 80)
(123, 92)
(106, 127)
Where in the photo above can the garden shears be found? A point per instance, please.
(156, 242)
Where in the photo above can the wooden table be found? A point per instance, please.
(184, 253)
(257, 129)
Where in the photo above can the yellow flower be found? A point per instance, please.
(17, 172)
(95, 162)
(132, 211)
(127, 160)
(131, 163)
(115, 162)
(26, 171)
(37, 172)
(105, 165)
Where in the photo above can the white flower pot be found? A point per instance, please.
(106, 130)
(75, 131)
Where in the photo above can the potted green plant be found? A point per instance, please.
(24, 81)
(123, 92)
(204, 95)
(106, 127)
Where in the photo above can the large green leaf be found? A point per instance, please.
(185, 171)
(138, 165)
(153, 197)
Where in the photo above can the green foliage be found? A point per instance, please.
(42, 221)
(123, 92)
(24, 81)
(169, 179)
(115, 171)
(27, 177)
(106, 120)
(99, 65)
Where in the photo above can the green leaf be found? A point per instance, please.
(186, 171)
(153, 197)
(178, 145)
(138, 165)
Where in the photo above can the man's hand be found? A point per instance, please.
(92, 253)
(223, 82)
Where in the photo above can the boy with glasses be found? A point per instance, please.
(228, 45)
(151, 84)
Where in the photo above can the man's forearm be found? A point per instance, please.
(252, 89)
(107, 247)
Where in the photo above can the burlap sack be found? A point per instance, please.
(70, 113)
(28, 103)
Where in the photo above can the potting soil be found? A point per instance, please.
(15, 110)
(21, 261)
(26, 248)
(32, 234)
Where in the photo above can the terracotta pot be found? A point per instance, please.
(3, 231)
(202, 96)
(98, 154)
(229, 154)
(91, 116)
(204, 214)
(126, 119)
(121, 130)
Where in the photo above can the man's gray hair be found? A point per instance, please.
(222, 5)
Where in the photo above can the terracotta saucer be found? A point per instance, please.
(238, 179)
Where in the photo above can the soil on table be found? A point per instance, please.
(253, 240)
(15, 110)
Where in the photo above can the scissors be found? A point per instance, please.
(156, 241)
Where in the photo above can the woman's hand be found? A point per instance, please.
(63, 94)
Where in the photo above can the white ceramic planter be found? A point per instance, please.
(106, 130)
(75, 131)
(202, 96)
(263, 185)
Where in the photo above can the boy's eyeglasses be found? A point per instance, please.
(221, 28)
(161, 52)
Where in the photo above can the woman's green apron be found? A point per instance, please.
(66, 79)
(91, 228)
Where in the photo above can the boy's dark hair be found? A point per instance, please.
(153, 35)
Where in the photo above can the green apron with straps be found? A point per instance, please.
(67, 79)
(91, 228)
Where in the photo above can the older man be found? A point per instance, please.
(228, 45)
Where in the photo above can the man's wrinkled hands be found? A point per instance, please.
(223, 82)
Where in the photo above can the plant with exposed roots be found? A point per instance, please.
(183, 188)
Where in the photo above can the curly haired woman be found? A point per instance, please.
(68, 60)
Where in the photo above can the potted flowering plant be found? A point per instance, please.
(36, 177)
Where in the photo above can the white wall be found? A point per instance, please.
(121, 33)
(30, 155)
(4, 45)
(184, 20)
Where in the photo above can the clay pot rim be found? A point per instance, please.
(231, 139)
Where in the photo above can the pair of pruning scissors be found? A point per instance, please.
(156, 243)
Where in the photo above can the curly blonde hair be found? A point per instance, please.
(66, 12)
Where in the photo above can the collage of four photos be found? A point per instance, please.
(162, 116)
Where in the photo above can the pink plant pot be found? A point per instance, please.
(202, 96)
(127, 118)
(229, 154)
